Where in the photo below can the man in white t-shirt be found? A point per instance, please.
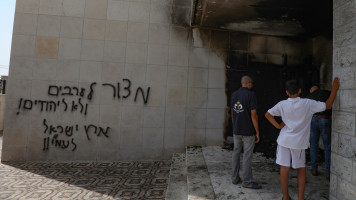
(294, 136)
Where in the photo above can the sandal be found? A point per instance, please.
(253, 185)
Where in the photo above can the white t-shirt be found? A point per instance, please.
(296, 113)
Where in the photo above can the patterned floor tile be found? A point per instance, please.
(84, 180)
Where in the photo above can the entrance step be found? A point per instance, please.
(189, 177)
(177, 187)
(199, 183)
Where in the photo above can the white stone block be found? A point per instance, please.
(92, 50)
(116, 30)
(132, 116)
(90, 71)
(21, 68)
(216, 98)
(25, 24)
(153, 117)
(110, 115)
(198, 77)
(347, 77)
(72, 27)
(19, 89)
(344, 36)
(164, 2)
(195, 118)
(153, 138)
(48, 25)
(158, 54)
(217, 60)
(175, 118)
(344, 123)
(347, 148)
(113, 72)
(51, 7)
(160, 14)
(156, 75)
(23, 45)
(114, 51)
(137, 32)
(179, 36)
(136, 53)
(118, 10)
(74, 8)
(215, 119)
(94, 29)
(70, 48)
(27, 6)
(39, 91)
(130, 153)
(131, 137)
(177, 76)
(45, 69)
(174, 138)
(178, 55)
(157, 96)
(214, 137)
(217, 78)
(346, 190)
(68, 70)
(335, 142)
(341, 166)
(136, 73)
(333, 184)
(199, 57)
(176, 96)
(159, 34)
(96, 9)
(195, 137)
(93, 115)
(197, 97)
(139, 11)
(344, 56)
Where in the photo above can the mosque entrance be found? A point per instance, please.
(269, 80)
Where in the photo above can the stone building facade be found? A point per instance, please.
(133, 80)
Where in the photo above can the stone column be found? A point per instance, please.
(343, 157)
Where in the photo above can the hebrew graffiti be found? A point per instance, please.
(73, 99)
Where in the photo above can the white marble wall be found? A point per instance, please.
(343, 163)
(77, 42)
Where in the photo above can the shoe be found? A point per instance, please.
(314, 172)
(289, 198)
(253, 185)
(236, 182)
(328, 176)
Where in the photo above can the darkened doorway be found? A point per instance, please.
(269, 85)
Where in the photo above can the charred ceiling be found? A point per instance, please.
(266, 17)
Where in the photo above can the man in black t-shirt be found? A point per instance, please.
(320, 126)
(245, 130)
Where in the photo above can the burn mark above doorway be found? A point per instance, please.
(266, 17)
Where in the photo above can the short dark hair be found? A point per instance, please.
(292, 86)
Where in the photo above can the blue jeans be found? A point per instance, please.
(320, 127)
(247, 143)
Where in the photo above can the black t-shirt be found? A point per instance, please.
(242, 102)
(320, 95)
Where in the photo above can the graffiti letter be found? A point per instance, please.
(57, 89)
(90, 95)
(145, 99)
(75, 145)
(127, 88)
(27, 104)
(101, 130)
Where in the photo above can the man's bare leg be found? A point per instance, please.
(301, 182)
(284, 172)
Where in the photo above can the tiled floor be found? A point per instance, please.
(91, 180)
(84, 180)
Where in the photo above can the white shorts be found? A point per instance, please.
(286, 156)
